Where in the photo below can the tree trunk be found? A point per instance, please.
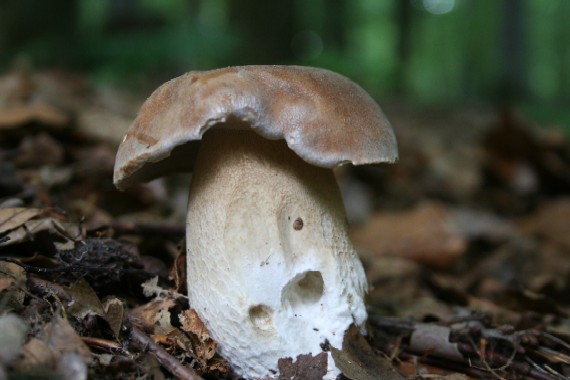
(512, 84)
(267, 28)
(404, 14)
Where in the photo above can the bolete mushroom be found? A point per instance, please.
(271, 269)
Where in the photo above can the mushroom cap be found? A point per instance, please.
(324, 117)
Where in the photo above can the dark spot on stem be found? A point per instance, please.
(298, 224)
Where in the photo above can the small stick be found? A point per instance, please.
(102, 344)
(165, 359)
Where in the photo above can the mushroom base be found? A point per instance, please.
(271, 270)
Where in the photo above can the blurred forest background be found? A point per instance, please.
(427, 52)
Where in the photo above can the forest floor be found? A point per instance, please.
(466, 244)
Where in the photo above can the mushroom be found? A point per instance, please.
(271, 269)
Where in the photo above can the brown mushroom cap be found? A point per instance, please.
(325, 118)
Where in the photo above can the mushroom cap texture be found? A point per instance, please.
(324, 117)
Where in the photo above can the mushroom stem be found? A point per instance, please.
(271, 269)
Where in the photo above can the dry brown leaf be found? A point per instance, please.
(151, 366)
(414, 369)
(395, 285)
(501, 315)
(358, 361)
(305, 367)
(219, 365)
(5, 283)
(151, 288)
(115, 314)
(13, 279)
(192, 323)
(13, 271)
(17, 115)
(64, 233)
(39, 150)
(204, 345)
(36, 352)
(102, 125)
(178, 271)
(425, 234)
(56, 339)
(11, 218)
(552, 221)
(84, 300)
(61, 338)
(154, 316)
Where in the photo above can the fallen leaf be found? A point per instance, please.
(192, 323)
(413, 369)
(61, 338)
(12, 271)
(306, 367)
(115, 314)
(394, 284)
(56, 338)
(154, 316)
(204, 345)
(479, 225)
(39, 150)
(551, 221)
(425, 234)
(5, 283)
(151, 288)
(35, 352)
(13, 284)
(64, 234)
(178, 271)
(17, 115)
(358, 361)
(11, 218)
(84, 301)
(102, 125)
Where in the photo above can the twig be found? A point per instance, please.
(547, 373)
(102, 344)
(444, 363)
(518, 367)
(555, 339)
(474, 346)
(165, 359)
(484, 355)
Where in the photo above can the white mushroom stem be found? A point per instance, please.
(271, 269)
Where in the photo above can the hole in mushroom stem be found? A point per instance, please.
(261, 316)
(298, 224)
(303, 289)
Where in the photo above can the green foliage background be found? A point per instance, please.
(427, 52)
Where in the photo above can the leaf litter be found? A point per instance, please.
(465, 244)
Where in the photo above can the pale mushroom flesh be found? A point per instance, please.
(271, 269)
